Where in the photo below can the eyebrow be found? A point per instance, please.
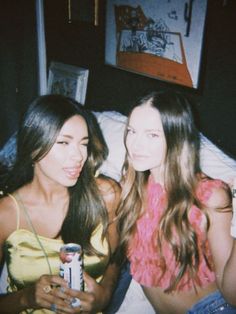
(71, 137)
(153, 130)
(146, 130)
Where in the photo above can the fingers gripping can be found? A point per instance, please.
(71, 267)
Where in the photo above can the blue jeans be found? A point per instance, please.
(214, 303)
(120, 290)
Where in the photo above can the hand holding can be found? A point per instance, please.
(71, 267)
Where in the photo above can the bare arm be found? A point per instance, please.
(229, 280)
(111, 194)
(11, 303)
(222, 247)
(111, 198)
(33, 296)
(99, 294)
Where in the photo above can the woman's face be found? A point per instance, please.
(145, 141)
(65, 160)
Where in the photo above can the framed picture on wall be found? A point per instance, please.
(161, 39)
(83, 11)
(68, 80)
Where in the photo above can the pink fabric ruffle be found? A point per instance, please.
(143, 252)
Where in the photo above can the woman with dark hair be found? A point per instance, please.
(174, 221)
(52, 197)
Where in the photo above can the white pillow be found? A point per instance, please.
(112, 124)
(214, 162)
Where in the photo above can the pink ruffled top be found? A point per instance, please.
(143, 252)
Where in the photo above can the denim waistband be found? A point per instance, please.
(214, 303)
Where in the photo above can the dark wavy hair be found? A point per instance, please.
(38, 131)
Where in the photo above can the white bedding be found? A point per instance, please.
(214, 162)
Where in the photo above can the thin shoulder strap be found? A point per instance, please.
(33, 230)
(17, 211)
(21, 205)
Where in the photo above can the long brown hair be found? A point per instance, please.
(181, 169)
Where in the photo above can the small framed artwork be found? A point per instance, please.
(161, 39)
(68, 80)
(83, 11)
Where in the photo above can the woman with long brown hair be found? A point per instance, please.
(174, 221)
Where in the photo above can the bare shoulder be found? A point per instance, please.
(7, 213)
(110, 191)
(219, 209)
(6, 205)
(220, 198)
(107, 185)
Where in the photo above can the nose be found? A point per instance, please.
(76, 153)
(138, 143)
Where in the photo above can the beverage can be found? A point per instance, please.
(71, 266)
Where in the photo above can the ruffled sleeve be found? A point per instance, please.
(205, 188)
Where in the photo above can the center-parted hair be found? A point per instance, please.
(38, 131)
(181, 170)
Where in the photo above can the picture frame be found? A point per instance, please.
(68, 80)
(80, 11)
(161, 39)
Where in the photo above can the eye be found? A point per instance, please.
(153, 135)
(62, 142)
(85, 143)
(130, 131)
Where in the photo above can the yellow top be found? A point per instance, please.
(26, 256)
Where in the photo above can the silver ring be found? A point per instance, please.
(53, 307)
(76, 303)
(47, 289)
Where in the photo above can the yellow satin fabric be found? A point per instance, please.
(26, 261)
